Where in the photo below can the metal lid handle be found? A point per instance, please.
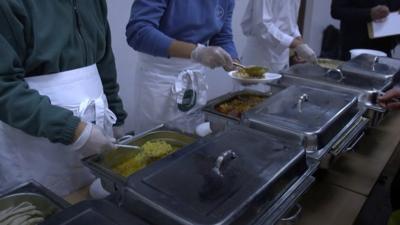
(302, 98)
(220, 160)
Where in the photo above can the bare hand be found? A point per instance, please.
(390, 99)
(379, 12)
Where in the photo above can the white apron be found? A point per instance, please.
(161, 83)
(56, 166)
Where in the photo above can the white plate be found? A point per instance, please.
(268, 78)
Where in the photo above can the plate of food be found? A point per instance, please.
(259, 75)
(329, 63)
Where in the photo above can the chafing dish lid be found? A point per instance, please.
(302, 108)
(192, 184)
(383, 67)
(336, 77)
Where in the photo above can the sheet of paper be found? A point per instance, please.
(389, 27)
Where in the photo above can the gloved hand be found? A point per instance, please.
(92, 141)
(305, 52)
(211, 56)
(118, 132)
(24, 213)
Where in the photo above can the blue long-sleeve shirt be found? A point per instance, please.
(154, 24)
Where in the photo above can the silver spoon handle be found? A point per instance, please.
(239, 65)
(127, 146)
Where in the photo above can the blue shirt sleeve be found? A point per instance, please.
(143, 32)
(224, 38)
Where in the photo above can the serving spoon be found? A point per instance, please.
(133, 147)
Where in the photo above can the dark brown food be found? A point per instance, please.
(239, 104)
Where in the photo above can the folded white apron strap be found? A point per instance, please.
(160, 84)
(56, 166)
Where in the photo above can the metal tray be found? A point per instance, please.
(47, 202)
(220, 120)
(101, 165)
(202, 184)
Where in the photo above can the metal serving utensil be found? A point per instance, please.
(128, 146)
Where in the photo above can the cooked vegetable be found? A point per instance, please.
(254, 72)
(25, 213)
(239, 104)
(329, 63)
(151, 151)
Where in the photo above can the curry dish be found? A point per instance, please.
(239, 104)
(150, 151)
(251, 73)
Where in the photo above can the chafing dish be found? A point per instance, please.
(371, 66)
(46, 201)
(237, 176)
(34, 193)
(323, 117)
(104, 165)
(99, 212)
(363, 86)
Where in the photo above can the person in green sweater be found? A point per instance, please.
(58, 91)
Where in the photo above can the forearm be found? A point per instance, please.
(39, 117)
(180, 49)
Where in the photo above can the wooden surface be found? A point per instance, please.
(358, 171)
(327, 204)
(340, 192)
(78, 196)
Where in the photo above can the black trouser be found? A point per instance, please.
(395, 192)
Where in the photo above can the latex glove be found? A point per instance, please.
(379, 12)
(24, 213)
(391, 99)
(92, 141)
(305, 52)
(118, 132)
(211, 56)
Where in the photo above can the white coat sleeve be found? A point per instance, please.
(265, 24)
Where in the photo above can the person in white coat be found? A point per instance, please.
(271, 29)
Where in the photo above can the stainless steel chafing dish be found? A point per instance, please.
(238, 176)
(32, 192)
(105, 165)
(99, 212)
(337, 130)
(328, 120)
(371, 66)
(364, 86)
